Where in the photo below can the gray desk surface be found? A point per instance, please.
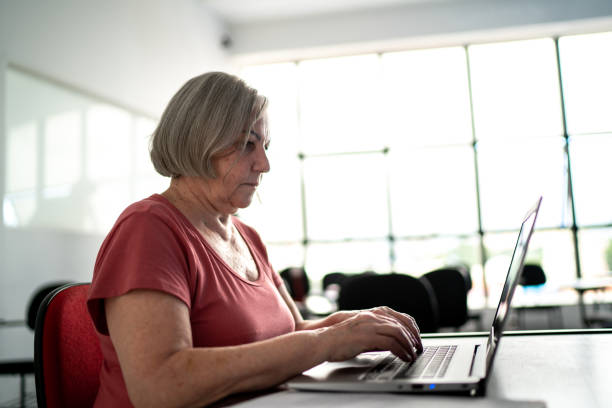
(562, 370)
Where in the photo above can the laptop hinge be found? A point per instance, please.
(476, 347)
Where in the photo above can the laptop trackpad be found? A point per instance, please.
(344, 370)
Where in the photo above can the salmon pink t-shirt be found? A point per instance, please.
(154, 246)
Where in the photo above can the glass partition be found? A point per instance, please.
(73, 161)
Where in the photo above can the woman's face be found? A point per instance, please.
(239, 171)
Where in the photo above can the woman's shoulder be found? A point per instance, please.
(155, 205)
(152, 212)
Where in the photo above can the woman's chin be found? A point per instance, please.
(243, 202)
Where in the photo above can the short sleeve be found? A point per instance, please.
(143, 251)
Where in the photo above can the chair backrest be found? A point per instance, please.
(532, 275)
(449, 285)
(297, 281)
(401, 292)
(37, 297)
(67, 354)
(333, 278)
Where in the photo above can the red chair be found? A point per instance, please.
(67, 354)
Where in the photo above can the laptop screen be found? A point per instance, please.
(514, 272)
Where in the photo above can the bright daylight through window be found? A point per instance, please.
(409, 161)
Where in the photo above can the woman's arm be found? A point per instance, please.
(301, 324)
(151, 333)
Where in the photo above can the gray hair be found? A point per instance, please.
(208, 115)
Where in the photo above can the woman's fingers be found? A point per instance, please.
(407, 321)
(381, 329)
(403, 342)
(384, 327)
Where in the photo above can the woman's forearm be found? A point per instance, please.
(199, 376)
(324, 322)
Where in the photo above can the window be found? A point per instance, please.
(408, 161)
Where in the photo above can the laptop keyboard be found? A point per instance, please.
(432, 363)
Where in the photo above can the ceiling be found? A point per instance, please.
(248, 11)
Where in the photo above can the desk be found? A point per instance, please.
(565, 369)
(591, 285)
(542, 299)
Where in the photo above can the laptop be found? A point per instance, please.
(447, 365)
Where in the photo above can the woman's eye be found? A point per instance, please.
(250, 146)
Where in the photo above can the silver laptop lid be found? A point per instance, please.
(512, 278)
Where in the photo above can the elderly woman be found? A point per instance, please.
(186, 303)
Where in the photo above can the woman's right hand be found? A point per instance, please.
(377, 329)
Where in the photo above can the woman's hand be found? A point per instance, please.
(345, 334)
(377, 329)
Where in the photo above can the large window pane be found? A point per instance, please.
(346, 196)
(513, 175)
(276, 212)
(339, 102)
(347, 257)
(278, 82)
(595, 252)
(591, 170)
(553, 250)
(282, 256)
(515, 89)
(416, 104)
(421, 88)
(419, 256)
(586, 66)
(433, 191)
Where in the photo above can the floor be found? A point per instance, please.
(9, 392)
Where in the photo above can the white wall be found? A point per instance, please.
(136, 53)
(422, 24)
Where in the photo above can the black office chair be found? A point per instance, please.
(450, 287)
(401, 292)
(533, 275)
(297, 281)
(333, 278)
(331, 284)
(298, 286)
(25, 367)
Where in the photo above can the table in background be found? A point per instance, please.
(597, 285)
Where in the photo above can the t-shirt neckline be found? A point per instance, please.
(165, 201)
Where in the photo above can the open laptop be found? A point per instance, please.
(446, 365)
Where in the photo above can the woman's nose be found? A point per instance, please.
(262, 163)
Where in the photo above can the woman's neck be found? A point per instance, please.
(187, 196)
